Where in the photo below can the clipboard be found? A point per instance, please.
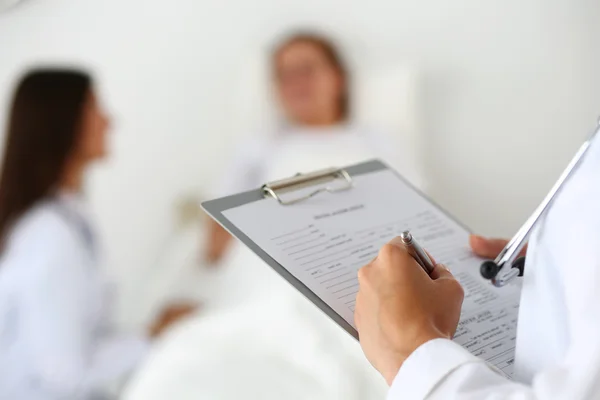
(276, 189)
(384, 195)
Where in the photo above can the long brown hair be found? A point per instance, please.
(44, 126)
(333, 56)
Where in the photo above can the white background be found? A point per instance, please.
(509, 90)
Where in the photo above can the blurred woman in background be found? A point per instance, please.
(55, 338)
(312, 87)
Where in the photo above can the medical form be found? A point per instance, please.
(323, 241)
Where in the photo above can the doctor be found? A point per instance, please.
(55, 339)
(406, 319)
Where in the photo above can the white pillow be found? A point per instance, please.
(253, 105)
(385, 97)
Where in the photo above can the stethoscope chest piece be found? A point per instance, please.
(490, 270)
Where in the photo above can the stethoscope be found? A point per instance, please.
(510, 254)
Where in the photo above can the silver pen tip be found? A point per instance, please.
(406, 237)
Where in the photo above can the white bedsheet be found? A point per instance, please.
(257, 339)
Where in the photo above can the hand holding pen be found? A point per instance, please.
(398, 308)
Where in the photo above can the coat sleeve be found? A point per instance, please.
(441, 369)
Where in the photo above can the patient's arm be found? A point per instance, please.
(243, 173)
(218, 242)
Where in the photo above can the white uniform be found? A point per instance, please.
(55, 339)
(558, 342)
(301, 149)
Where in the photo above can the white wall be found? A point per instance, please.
(510, 89)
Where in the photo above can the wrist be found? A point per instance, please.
(394, 363)
(392, 367)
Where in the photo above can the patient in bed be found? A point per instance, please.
(312, 87)
(259, 338)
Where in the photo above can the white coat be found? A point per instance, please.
(558, 336)
(55, 338)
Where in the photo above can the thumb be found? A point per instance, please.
(441, 272)
(487, 248)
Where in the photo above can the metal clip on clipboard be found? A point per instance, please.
(300, 181)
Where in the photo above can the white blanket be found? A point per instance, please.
(259, 339)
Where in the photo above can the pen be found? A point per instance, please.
(417, 252)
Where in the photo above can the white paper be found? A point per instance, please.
(325, 240)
